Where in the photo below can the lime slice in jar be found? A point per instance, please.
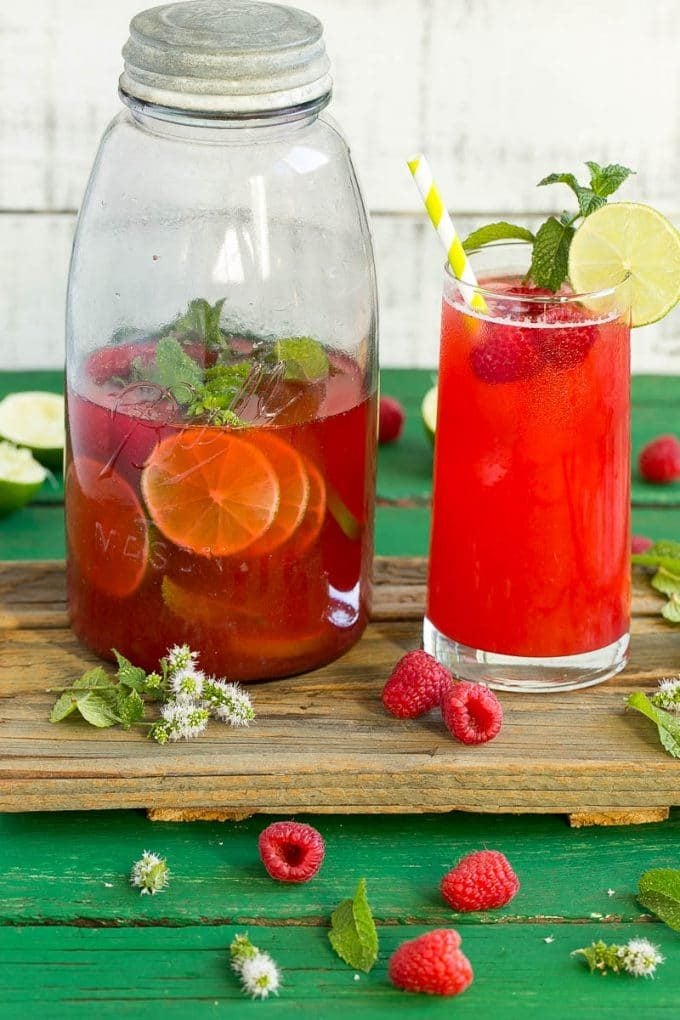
(428, 412)
(35, 420)
(21, 476)
(627, 237)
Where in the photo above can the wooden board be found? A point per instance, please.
(322, 742)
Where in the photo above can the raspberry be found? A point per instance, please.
(472, 712)
(416, 685)
(567, 347)
(505, 354)
(659, 461)
(391, 418)
(480, 881)
(432, 963)
(640, 544)
(291, 851)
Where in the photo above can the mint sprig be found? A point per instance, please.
(659, 891)
(171, 368)
(664, 555)
(550, 256)
(353, 935)
(201, 321)
(667, 723)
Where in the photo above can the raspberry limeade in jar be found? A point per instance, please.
(221, 364)
(529, 577)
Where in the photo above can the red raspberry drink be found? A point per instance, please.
(529, 578)
(250, 541)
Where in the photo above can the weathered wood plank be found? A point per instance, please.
(643, 816)
(73, 867)
(323, 742)
(519, 973)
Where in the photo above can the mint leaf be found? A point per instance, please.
(222, 391)
(97, 709)
(568, 179)
(659, 891)
(201, 321)
(129, 675)
(666, 582)
(667, 724)
(588, 201)
(549, 264)
(353, 935)
(305, 359)
(174, 370)
(129, 708)
(605, 180)
(496, 232)
(94, 680)
(63, 707)
(671, 611)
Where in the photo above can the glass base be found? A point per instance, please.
(521, 673)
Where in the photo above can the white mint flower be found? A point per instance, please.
(183, 721)
(260, 976)
(150, 874)
(181, 657)
(187, 683)
(228, 702)
(240, 950)
(640, 958)
(668, 695)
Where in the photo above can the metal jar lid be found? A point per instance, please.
(225, 56)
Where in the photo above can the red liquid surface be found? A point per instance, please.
(259, 612)
(531, 532)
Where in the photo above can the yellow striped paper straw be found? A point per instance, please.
(443, 224)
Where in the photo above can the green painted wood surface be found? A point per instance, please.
(66, 908)
(56, 868)
(148, 972)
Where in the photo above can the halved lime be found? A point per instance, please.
(629, 237)
(428, 412)
(20, 478)
(35, 420)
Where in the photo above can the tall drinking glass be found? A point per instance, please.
(529, 573)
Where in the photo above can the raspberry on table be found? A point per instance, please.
(416, 685)
(391, 418)
(431, 963)
(291, 851)
(659, 460)
(472, 712)
(480, 881)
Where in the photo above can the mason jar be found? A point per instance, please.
(221, 354)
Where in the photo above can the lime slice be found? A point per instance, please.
(629, 237)
(35, 420)
(20, 478)
(428, 412)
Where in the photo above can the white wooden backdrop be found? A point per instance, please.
(497, 92)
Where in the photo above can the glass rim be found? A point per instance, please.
(602, 292)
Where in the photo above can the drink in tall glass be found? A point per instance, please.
(529, 576)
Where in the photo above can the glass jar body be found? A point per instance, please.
(221, 367)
